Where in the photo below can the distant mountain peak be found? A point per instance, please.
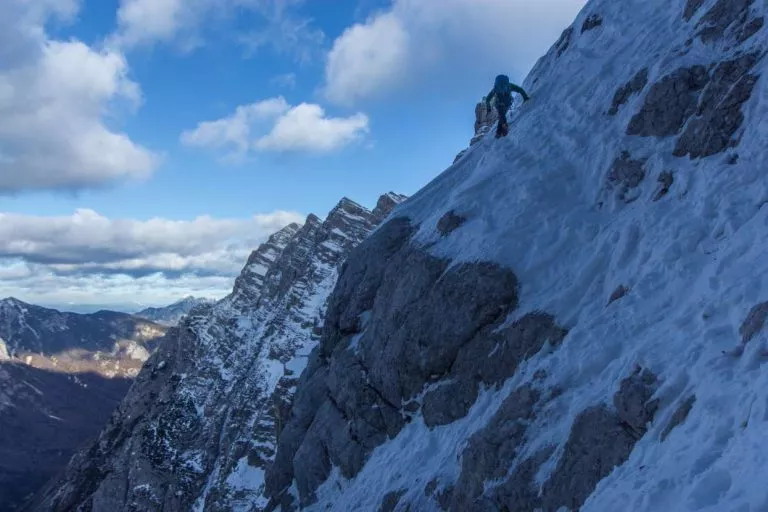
(171, 315)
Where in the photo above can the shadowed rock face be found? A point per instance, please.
(200, 423)
(381, 345)
(669, 103)
(718, 116)
(494, 479)
(399, 322)
(634, 86)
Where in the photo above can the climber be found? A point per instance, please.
(502, 91)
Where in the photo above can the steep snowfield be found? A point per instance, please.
(693, 261)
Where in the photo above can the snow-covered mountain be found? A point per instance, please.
(199, 426)
(570, 318)
(61, 376)
(172, 314)
(105, 342)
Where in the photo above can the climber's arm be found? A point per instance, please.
(519, 90)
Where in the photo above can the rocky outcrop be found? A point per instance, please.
(485, 118)
(670, 103)
(625, 92)
(386, 352)
(199, 426)
(754, 322)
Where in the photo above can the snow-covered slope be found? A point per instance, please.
(171, 315)
(571, 317)
(199, 425)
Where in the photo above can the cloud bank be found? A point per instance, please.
(85, 255)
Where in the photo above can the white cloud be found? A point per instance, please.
(89, 241)
(367, 58)
(419, 40)
(274, 125)
(184, 23)
(55, 260)
(54, 98)
(306, 128)
(234, 130)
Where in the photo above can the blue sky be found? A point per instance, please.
(148, 145)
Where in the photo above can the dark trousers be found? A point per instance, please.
(502, 109)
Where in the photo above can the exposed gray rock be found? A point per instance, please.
(390, 501)
(600, 440)
(591, 23)
(597, 444)
(633, 400)
(442, 494)
(666, 179)
(618, 293)
(369, 368)
(249, 284)
(518, 492)
(634, 86)
(449, 223)
(491, 450)
(626, 174)
(691, 7)
(564, 42)
(719, 115)
(754, 322)
(724, 15)
(670, 103)
(679, 416)
(491, 358)
(750, 29)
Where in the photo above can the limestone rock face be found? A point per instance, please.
(199, 427)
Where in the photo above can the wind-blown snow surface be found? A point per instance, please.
(553, 202)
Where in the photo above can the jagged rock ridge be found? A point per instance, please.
(199, 426)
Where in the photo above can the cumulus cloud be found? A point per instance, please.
(91, 292)
(55, 97)
(416, 40)
(88, 259)
(87, 243)
(274, 125)
(183, 22)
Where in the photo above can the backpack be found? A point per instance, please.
(502, 89)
